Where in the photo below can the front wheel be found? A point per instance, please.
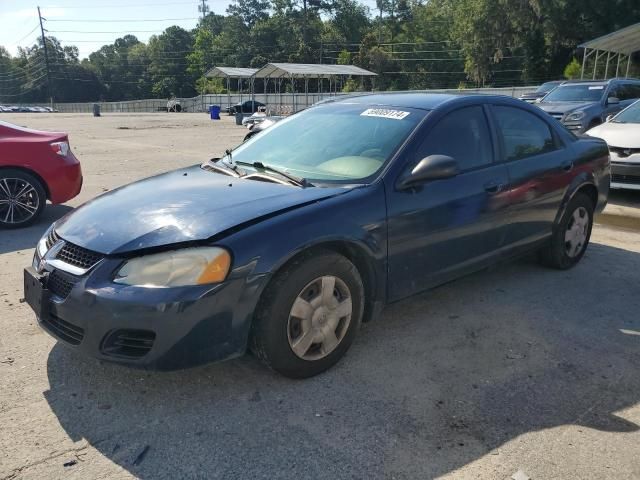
(22, 198)
(309, 315)
(571, 236)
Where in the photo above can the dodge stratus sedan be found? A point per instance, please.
(285, 245)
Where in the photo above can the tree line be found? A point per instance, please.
(410, 44)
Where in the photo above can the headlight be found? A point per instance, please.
(572, 117)
(177, 268)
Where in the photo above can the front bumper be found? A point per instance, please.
(625, 174)
(156, 328)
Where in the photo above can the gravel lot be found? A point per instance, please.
(515, 369)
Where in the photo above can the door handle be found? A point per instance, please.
(493, 187)
(567, 166)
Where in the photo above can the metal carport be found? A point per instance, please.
(236, 73)
(292, 71)
(621, 44)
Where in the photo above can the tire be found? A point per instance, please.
(300, 344)
(22, 198)
(570, 237)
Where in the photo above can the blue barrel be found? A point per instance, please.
(214, 110)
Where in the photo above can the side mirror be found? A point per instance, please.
(433, 167)
(613, 101)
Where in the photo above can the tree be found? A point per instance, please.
(572, 70)
(250, 11)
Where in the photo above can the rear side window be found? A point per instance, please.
(628, 91)
(463, 135)
(523, 133)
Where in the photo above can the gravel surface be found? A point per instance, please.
(518, 370)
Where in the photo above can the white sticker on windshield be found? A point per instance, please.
(384, 113)
(597, 87)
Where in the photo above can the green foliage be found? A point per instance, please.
(410, 44)
(573, 69)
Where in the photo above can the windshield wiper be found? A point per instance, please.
(222, 167)
(300, 181)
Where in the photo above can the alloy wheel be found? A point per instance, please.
(19, 200)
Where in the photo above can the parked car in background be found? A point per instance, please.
(262, 125)
(582, 104)
(290, 241)
(35, 166)
(250, 106)
(622, 134)
(541, 91)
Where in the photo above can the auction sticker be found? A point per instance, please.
(384, 113)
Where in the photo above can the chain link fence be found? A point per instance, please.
(277, 103)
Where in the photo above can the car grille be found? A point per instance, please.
(557, 116)
(624, 152)
(60, 283)
(78, 256)
(128, 343)
(632, 179)
(52, 238)
(64, 330)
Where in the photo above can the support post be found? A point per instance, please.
(618, 64)
(595, 66)
(626, 75)
(584, 61)
(606, 67)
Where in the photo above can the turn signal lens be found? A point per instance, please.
(217, 269)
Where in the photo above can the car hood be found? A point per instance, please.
(625, 135)
(184, 205)
(563, 107)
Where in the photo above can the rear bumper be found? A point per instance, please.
(625, 175)
(66, 182)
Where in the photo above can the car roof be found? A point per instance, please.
(422, 101)
(601, 82)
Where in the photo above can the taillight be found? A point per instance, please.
(61, 148)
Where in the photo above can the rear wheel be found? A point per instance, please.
(309, 315)
(22, 198)
(571, 236)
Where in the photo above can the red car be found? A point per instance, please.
(35, 166)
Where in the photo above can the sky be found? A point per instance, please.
(89, 24)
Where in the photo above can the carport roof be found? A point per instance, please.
(309, 70)
(230, 72)
(624, 41)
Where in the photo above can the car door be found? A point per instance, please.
(624, 93)
(540, 169)
(443, 228)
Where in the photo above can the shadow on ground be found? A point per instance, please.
(26, 238)
(439, 381)
(626, 198)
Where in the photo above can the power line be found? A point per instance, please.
(122, 21)
(102, 31)
(127, 5)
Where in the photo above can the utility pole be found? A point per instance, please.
(46, 60)
(204, 8)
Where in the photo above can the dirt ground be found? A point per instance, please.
(518, 370)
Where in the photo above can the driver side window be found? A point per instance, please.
(463, 135)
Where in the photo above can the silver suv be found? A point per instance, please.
(582, 104)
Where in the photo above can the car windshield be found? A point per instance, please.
(333, 142)
(576, 93)
(546, 87)
(629, 115)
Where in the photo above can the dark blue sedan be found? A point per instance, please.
(288, 243)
